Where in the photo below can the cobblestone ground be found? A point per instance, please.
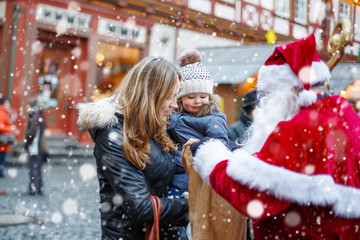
(68, 209)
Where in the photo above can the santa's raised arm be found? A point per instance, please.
(298, 174)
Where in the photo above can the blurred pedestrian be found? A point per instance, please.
(237, 130)
(5, 128)
(297, 175)
(133, 153)
(35, 145)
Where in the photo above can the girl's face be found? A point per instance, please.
(170, 103)
(194, 101)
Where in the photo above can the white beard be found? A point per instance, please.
(279, 105)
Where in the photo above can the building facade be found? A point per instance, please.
(66, 52)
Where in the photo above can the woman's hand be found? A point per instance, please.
(195, 145)
(191, 141)
(187, 155)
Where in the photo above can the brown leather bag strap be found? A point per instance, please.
(154, 232)
(158, 216)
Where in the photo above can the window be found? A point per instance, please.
(113, 62)
(282, 8)
(301, 11)
(49, 78)
(345, 10)
(255, 2)
(228, 1)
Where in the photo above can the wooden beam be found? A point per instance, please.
(180, 16)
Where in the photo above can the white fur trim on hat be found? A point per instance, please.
(307, 98)
(273, 76)
(196, 86)
(319, 73)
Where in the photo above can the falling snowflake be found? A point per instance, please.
(56, 217)
(117, 200)
(255, 208)
(12, 172)
(61, 28)
(304, 74)
(309, 169)
(74, 7)
(84, 65)
(76, 52)
(36, 47)
(105, 207)
(69, 207)
(87, 171)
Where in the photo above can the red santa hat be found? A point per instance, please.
(296, 64)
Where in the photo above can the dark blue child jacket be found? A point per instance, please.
(211, 122)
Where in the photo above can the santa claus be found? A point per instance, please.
(298, 174)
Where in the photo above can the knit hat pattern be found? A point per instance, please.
(195, 77)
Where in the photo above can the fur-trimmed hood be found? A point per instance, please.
(97, 114)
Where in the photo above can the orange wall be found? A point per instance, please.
(231, 101)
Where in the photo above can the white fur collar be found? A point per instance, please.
(307, 98)
(96, 114)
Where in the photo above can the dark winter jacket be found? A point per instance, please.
(36, 121)
(236, 131)
(209, 122)
(124, 190)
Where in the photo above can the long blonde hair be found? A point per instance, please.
(141, 94)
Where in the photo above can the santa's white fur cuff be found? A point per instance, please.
(208, 155)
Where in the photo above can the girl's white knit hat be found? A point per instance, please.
(195, 77)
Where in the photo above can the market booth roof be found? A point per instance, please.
(343, 75)
(233, 65)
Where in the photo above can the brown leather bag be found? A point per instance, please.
(153, 232)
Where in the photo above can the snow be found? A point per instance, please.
(255, 208)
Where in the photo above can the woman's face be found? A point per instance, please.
(170, 103)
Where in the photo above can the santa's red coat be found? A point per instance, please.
(305, 181)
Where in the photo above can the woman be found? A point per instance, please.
(133, 152)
